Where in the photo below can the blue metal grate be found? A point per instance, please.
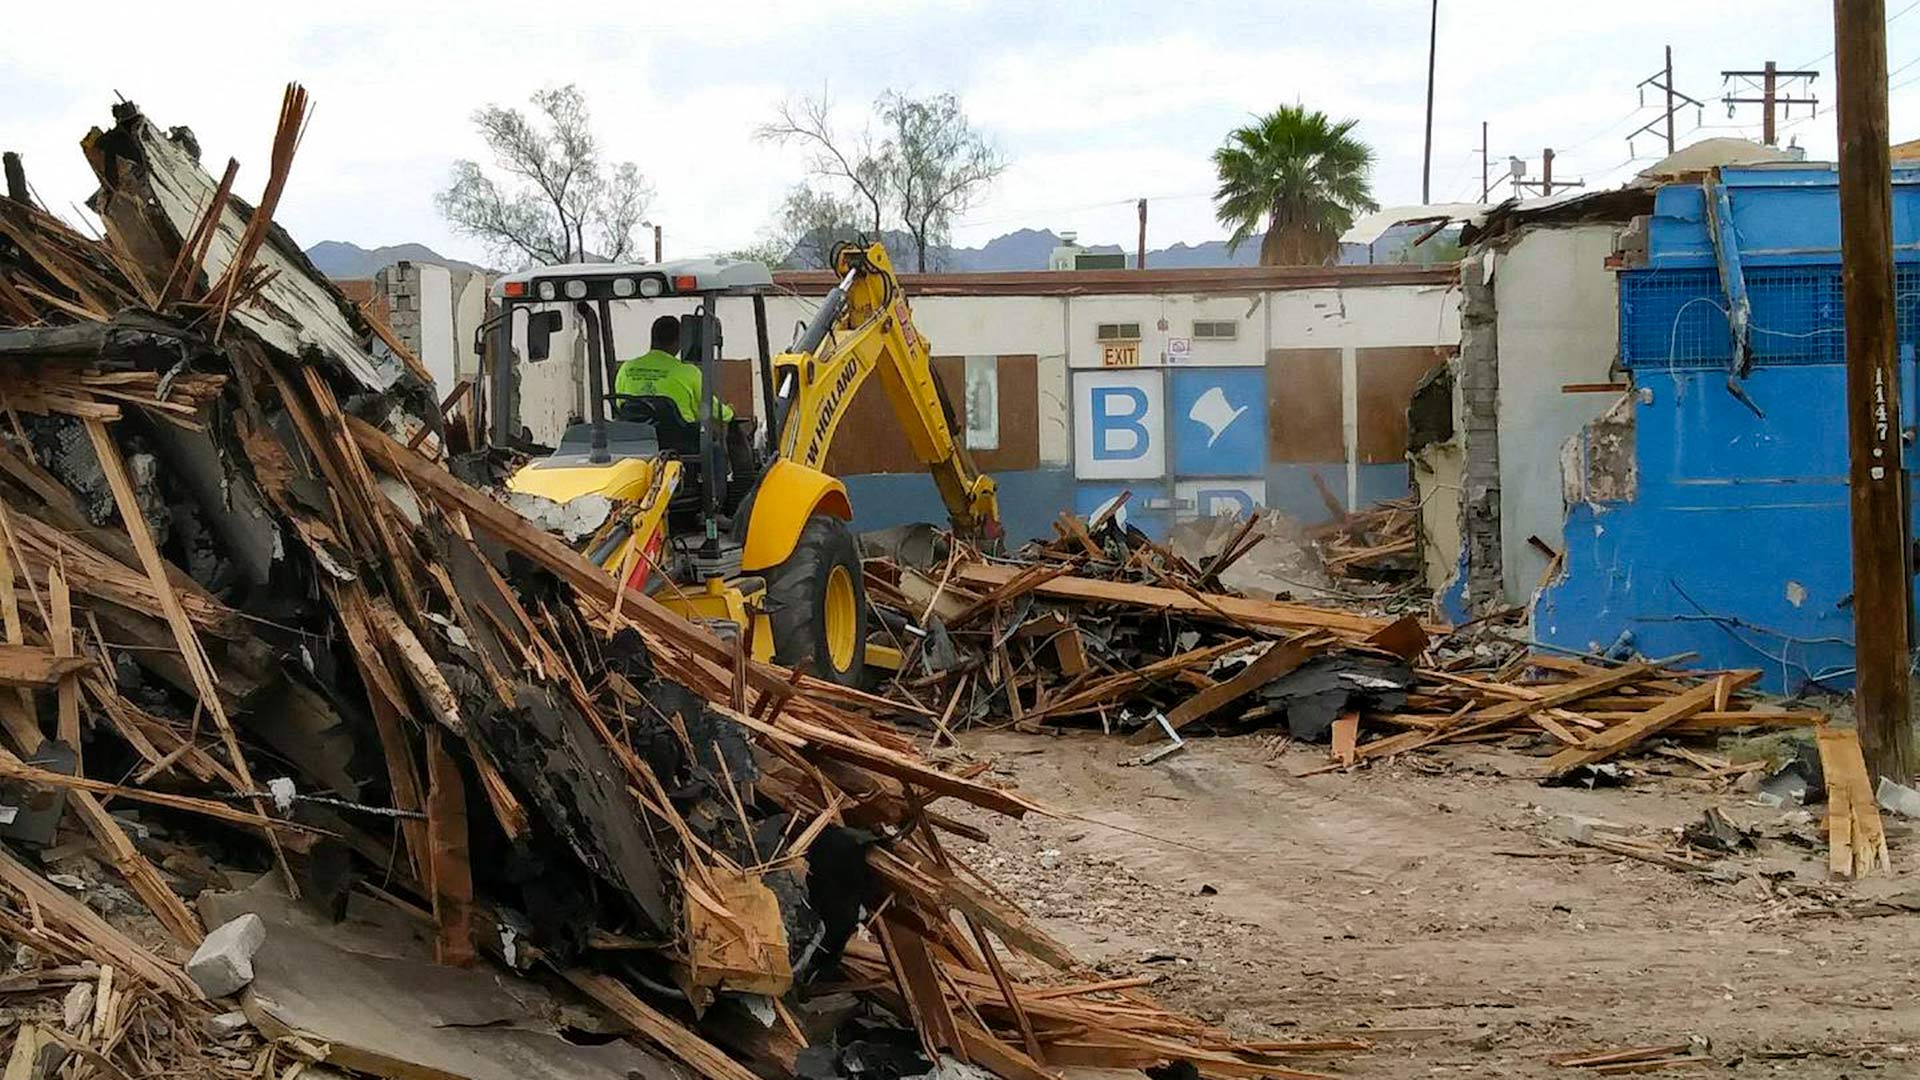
(1677, 318)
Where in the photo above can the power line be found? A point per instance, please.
(1890, 18)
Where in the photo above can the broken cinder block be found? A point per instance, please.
(224, 961)
(224, 1025)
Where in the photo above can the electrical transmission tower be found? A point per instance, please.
(1662, 81)
(1768, 83)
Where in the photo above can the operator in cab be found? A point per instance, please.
(659, 372)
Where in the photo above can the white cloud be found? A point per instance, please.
(1096, 101)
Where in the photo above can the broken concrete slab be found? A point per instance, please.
(1899, 798)
(394, 1013)
(223, 963)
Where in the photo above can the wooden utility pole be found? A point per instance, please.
(1140, 261)
(1486, 187)
(1426, 156)
(1662, 81)
(1546, 183)
(1669, 101)
(1775, 99)
(1882, 585)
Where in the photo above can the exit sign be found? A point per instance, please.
(1120, 355)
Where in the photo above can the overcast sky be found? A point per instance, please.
(1095, 102)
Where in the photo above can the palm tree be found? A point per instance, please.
(1302, 174)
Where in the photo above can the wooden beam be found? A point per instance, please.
(35, 666)
(191, 651)
(673, 1036)
(1157, 598)
(1612, 741)
(1280, 658)
(451, 874)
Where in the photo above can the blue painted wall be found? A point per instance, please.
(1029, 500)
(1735, 545)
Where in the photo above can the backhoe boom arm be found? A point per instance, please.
(865, 326)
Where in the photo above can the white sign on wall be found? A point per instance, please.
(1119, 425)
(1179, 349)
(1218, 498)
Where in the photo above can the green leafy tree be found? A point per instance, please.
(1298, 179)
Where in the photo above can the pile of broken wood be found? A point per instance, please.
(1378, 543)
(1105, 627)
(271, 667)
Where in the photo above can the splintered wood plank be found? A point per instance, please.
(33, 666)
(1568, 692)
(60, 630)
(451, 874)
(1158, 598)
(418, 664)
(1346, 737)
(1612, 741)
(1280, 658)
(77, 922)
(140, 874)
(1584, 1059)
(1856, 839)
(656, 1027)
(114, 467)
(1070, 652)
(744, 947)
(919, 981)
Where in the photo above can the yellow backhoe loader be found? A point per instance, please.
(763, 544)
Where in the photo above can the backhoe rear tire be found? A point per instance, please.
(817, 604)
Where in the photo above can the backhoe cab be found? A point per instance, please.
(764, 548)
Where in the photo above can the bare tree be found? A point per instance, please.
(938, 165)
(559, 187)
(927, 166)
(853, 159)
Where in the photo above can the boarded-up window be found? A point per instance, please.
(870, 439)
(1304, 414)
(1384, 381)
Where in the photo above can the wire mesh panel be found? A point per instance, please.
(1676, 318)
(1672, 318)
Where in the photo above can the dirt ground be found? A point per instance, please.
(1398, 904)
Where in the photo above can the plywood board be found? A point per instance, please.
(1306, 418)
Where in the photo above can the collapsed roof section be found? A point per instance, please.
(295, 310)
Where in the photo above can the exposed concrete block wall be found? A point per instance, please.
(421, 299)
(1480, 415)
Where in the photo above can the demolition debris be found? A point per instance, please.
(263, 644)
(1104, 627)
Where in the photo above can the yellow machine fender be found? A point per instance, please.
(788, 495)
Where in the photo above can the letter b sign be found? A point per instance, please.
(1119, 425)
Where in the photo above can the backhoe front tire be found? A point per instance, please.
(817, 604)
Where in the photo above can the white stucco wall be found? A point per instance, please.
(1062, 332)
(1558, 324)
(437, 345)
(469, 311)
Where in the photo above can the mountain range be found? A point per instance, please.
(345, 261)
(1023, 249)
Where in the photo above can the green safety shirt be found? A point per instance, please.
(662, 374)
